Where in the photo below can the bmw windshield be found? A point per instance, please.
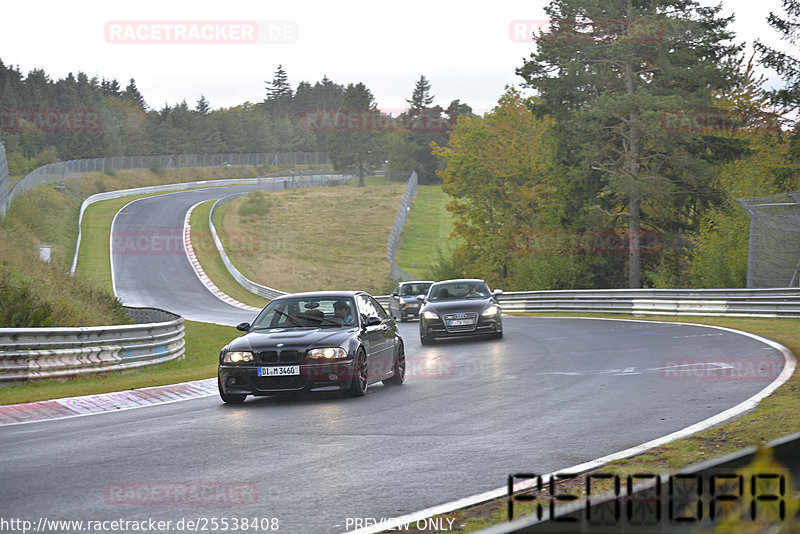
(329, 312)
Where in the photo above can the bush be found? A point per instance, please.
(20, 308)
(255, 204)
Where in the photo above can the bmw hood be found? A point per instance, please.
(291, 338)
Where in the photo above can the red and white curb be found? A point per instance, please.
(14, 414)
(198, 270)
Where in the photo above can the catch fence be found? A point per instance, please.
(3, 181)
(774, 255)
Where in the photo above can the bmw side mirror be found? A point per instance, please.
(244, 327)
(374, 321)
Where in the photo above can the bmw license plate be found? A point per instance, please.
(459, 322)
(285, 370)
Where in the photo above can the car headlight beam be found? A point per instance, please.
(490, 310)
(327, 353)
(238, 357)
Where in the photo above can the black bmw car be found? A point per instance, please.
(403, 303)
(454, 308)
(320, 341)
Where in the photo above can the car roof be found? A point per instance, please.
(417, 282)
(462, 281)
(321, 294)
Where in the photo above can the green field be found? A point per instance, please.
(426, 233)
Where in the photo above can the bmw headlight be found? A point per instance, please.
(238, 357)
(427, 314)
(327, 353)
(490, 310)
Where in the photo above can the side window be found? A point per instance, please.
(379, 311)
(396, 289)
(364, 308)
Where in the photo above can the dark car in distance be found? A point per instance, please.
(455, 308)
(403, 303)
(316, 341)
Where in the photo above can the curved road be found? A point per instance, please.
(551, 394)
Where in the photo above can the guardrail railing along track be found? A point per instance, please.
(61, 352)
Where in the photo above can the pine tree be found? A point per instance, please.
(421, 98)
(202, 106)
(608, 70)
(132, 94)
(786, 65)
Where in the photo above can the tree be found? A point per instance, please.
(497, 176)
(359, 143)
(423, 125)
(608, 70)
(202, 106)
(279, 93)
(132, 94)
(787, 66)
(421, 98)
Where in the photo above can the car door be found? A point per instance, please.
(374, 338)
(387, 331)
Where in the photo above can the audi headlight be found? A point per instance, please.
(327, 353)
(238, 357)
(430, 314)
(491, 310)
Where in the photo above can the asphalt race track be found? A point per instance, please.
(551, 394)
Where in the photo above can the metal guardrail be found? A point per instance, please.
(656, 506)
(397, 229)
(61, 171)
(166, 188)
(297, 179)
(258, 289)
(780, 302)
(29, 353)
(3, 181)
(268, 292)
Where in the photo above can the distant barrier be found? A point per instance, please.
(291, 182)
(711, 302)
(61, 171)
(270, 293)
(773, 258)
(31, 353)
(397, 229)
(3, 181)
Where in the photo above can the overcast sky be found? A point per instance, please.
(466, 50)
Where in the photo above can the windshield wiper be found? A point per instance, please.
(319, 318)
(291, 318)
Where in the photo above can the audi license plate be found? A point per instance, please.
(459, 322)
(285, 370)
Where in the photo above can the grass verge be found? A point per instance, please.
(426, 233)
(313, 238)
(211, 261)
(775, 416)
